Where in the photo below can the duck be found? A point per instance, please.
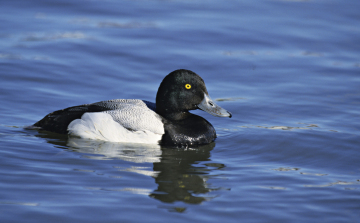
(165, 122)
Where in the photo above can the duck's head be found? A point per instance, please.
(183, 90)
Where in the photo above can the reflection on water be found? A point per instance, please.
(132, 152)
(179, 179)
(177, 172)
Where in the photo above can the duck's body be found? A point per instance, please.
(132, 120)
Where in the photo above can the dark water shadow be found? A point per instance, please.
(179, 174)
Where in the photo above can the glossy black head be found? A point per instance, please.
(181, 91)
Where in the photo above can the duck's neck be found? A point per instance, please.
(174, 116)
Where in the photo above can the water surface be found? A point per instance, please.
(287, 70)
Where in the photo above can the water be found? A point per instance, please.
(287, 70)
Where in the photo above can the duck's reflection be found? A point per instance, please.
(132, 152)
(179, 178)
(179, 174)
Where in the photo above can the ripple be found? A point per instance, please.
(335, 183)
(141, 170)
(314, 174)
(133, 190)
(312, 54)
(286, 169)
(56, 36)
(10, 56)
(126, 25)
(20, 203)
(229, 99)
(274, 188)
(283, 127)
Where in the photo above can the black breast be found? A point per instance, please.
(193, 130)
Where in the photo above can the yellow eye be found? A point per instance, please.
(187, 86)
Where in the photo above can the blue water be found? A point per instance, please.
(289, 71)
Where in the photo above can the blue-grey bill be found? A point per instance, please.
(209, 106)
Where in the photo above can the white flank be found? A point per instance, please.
(101, 126)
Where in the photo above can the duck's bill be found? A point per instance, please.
(209, 106)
